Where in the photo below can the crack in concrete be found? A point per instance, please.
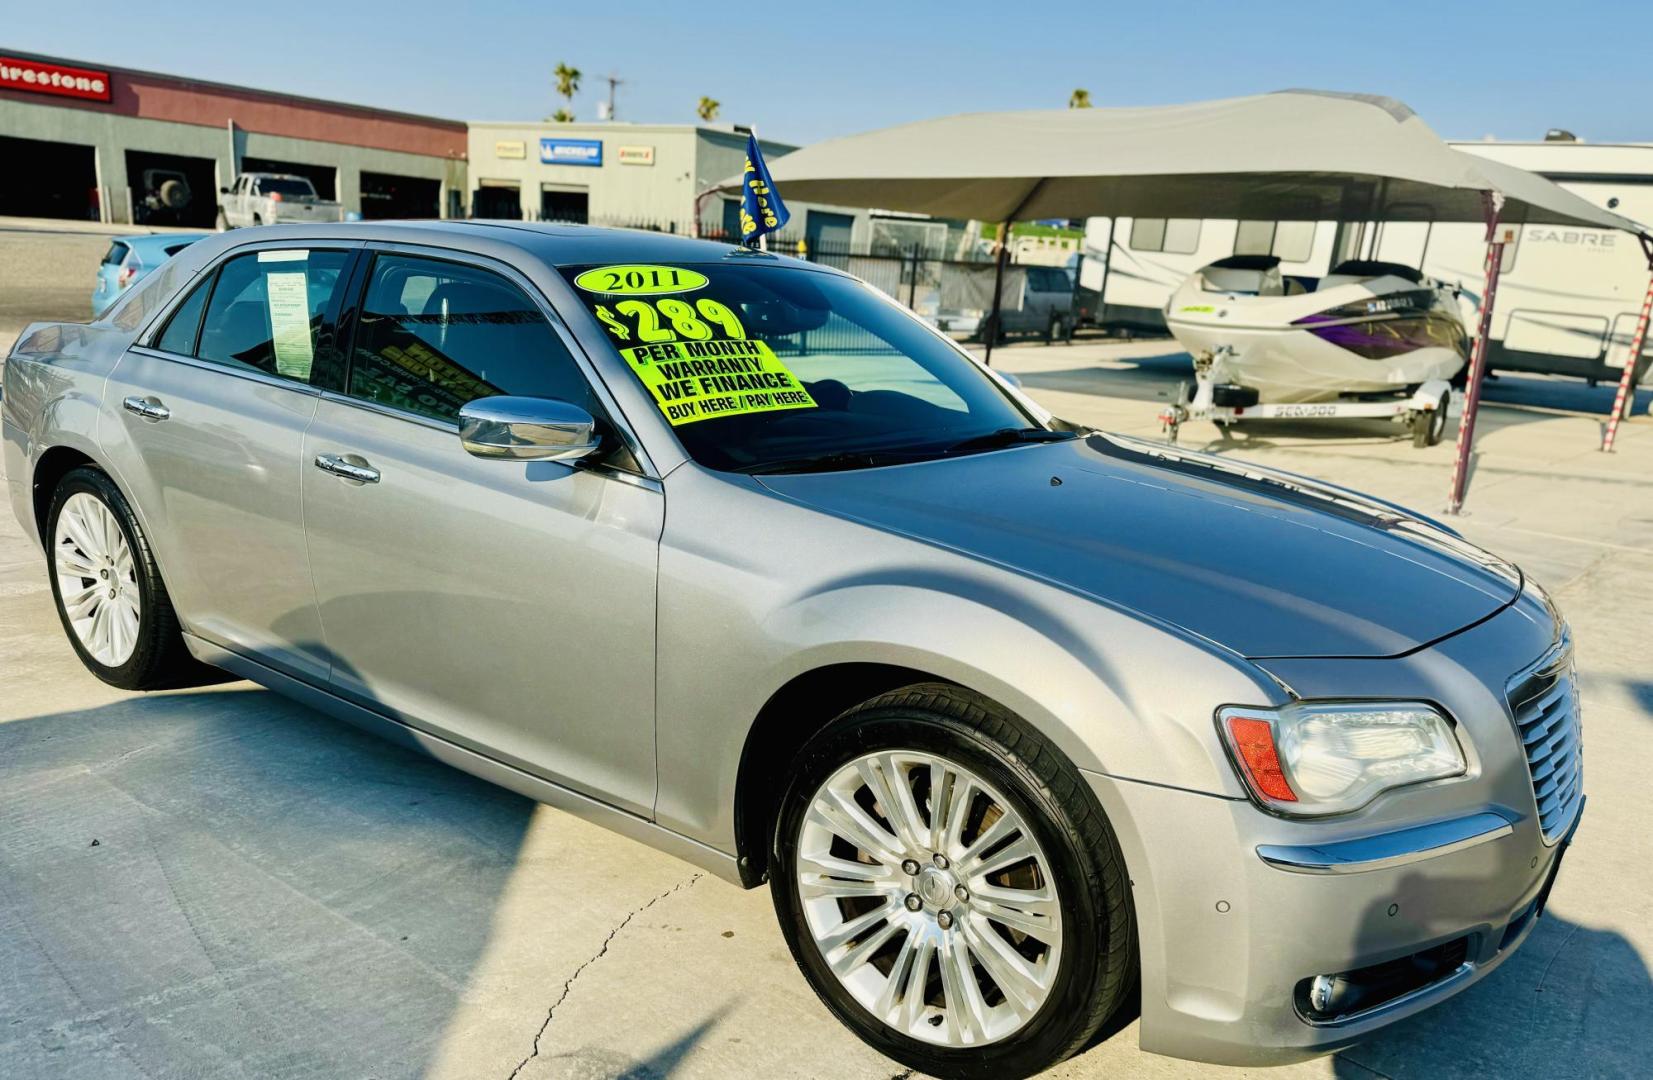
(602, 951)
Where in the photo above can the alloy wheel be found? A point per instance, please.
(929, 898)
(97, 579)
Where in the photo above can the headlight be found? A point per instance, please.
(1313, 758)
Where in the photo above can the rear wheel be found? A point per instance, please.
(108, 589)
(950, 888)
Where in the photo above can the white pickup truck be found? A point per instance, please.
(270, 198)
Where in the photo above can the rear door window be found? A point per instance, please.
(116, 252)
(266, 313)
(434, 335)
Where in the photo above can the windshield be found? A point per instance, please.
(769, 367)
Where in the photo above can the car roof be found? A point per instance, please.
(556, 245)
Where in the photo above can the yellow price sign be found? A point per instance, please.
(702, 380)
(640, 279)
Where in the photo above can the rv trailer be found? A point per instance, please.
(1568, 297)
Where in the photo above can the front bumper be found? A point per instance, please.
(1230, 935)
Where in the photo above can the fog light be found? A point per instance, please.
(1323, 999)
(1320, 993)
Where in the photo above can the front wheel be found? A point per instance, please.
(950, 888)
(108, 590)
(223, 223)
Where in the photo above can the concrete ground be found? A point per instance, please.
(219, 883)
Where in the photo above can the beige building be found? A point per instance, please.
(640, 175)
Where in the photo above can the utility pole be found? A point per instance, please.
(607, 108)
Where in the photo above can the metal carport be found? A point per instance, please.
(1292, 155)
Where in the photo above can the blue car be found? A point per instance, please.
(129, 258)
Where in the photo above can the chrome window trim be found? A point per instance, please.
(249, 374)
(608, 472)
(616, 416)
(1388, 850)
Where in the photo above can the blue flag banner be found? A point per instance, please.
(761, 208)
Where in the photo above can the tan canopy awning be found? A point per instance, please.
(1293, 155)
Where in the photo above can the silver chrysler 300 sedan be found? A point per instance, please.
(1022, 724)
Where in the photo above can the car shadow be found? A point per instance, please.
(1572, 1001)
(1641, 692)
(225, 883)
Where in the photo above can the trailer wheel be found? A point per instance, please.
(1429, 425)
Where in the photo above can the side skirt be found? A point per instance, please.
(631, 826)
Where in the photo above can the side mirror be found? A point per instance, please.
(223, 191)
(527, 429)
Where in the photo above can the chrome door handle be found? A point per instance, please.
(338, 466)
(148, 408)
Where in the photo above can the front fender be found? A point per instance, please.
(1117, 696)
(741, 618)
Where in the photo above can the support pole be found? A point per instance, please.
(912, 286)
(1494, 202)
(1624, 399)
(998, 289)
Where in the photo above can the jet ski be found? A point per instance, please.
(1368, 339)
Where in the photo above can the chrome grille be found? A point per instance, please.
(1544, 702)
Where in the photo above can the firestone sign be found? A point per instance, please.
(58, 80)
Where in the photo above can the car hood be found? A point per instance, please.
(1263, 563)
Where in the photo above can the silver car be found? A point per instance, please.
(1023, 725)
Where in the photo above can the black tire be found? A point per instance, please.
(159, 660)
(223, 222)
(1429, 425)
(257, 220)
(1098, 966)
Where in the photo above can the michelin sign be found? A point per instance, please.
(571, 151)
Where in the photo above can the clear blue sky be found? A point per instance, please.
(807, 72)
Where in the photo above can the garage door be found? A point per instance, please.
(48, 179)
(171, 189)
(385, 195)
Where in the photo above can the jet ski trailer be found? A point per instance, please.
(1369, 340)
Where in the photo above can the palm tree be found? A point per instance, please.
(568, 84)
(708, 108)
(1079, 99)
(562, 116)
